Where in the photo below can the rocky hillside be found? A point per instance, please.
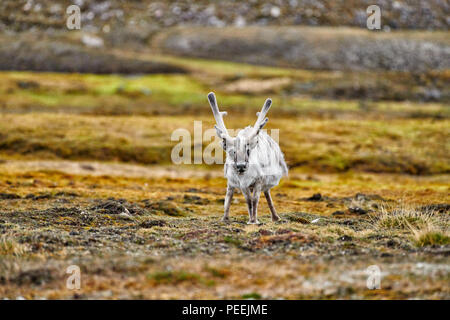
(314, 48)
(139, 19)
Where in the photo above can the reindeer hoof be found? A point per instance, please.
(253, 222)
(225, 219)
(276, 218)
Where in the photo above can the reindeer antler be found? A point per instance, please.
(262, 120)
(222, 131)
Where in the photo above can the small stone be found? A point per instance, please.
(315, 197)
(275, 12)
(391, 243)
(357, 210)
(5, 196)
(125, 215)
(152, 223)
(240, 22)
(264, 232)
(92, 41)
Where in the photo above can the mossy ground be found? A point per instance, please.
(124, 235)
(86, 179)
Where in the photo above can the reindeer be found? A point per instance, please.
(254, 162)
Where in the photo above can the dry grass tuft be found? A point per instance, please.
(430, 237)
(10, 247)
(423, 223)
(404, 217)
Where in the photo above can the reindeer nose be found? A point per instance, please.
(241, 166)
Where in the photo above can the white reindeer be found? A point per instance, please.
(254, 161)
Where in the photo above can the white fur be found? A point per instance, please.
(266, 164)
(254, 161)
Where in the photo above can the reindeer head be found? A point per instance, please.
(239, 148)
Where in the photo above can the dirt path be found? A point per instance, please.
(103, 168)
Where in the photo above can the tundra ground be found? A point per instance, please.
(144, 237)
(86, 179)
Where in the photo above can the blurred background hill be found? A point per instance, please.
(315, 58)
(147, 16)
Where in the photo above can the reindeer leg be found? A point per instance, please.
(256, 195)
(228, 198)
(249, 200)
(275, 217)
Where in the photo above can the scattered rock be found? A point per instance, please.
(113, 206)
(202, 233)
(264, 232)
(125, 215)
(92, 41)
(285, 238)
(39, 196)
(194, 199)
(338, 213)
(357, 210)
(87, 167)
(152, 223)
(27, 84)
(439, 207)
(35, 277)
(66, 194)
(283, 231)
(348, 222)
(166, 207)
(345, 238)
(368, 197)
(299, 219)
(315, 197)
(9, 196)
(391, 243)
